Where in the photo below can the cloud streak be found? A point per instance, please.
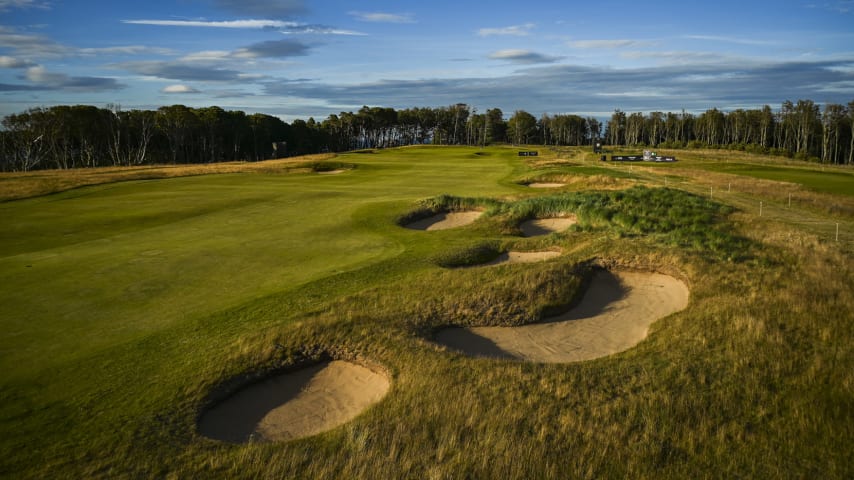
(596, 90)
(383, 17)
(513, 30)
(273, 8)
(524, 57)
(283, 26)
(605, 43)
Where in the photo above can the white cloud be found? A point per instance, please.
(382, 17)
(603, 43)
(736, 40)
(39, 74)
(11, 62)
(126, 50)
(522, 56)
(179, 89)
(284, 26)
(215, 24)
(515, 30)
(10, 4)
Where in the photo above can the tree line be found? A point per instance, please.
(62, 137)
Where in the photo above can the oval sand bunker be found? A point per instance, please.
(613, 315)
(295, 405)
(545, 226)
(546, 185)
(444, 221)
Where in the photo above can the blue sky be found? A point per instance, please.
(301, 58)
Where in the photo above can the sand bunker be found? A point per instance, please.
(545, 226)
(614, 315)
(295, 405)
(332, 172)
(546, 185)
(523, 257)
(444, 221)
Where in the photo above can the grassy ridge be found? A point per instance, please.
(110, 349)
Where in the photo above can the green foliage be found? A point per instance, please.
(670, 217)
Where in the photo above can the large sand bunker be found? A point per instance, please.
(545, 226)
(444, 221)
(613, 315)
(295, 405)
(546, 185)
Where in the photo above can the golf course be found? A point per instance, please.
(430, 312)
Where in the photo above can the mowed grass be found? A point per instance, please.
(126, 304)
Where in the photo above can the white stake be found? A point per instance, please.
(790, 199)
(760, 209)
(729, 187)
(711, 192)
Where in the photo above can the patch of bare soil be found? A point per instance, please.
(614, 315)
(296, 404)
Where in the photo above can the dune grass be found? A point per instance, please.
(126, 304)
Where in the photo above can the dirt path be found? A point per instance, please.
(614, 315)
(295, 405)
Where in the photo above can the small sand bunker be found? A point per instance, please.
(524, 257)
(295, 405)
(332, 172)
(545, 226)
(546, 185)
(614, 315)
(444, 221)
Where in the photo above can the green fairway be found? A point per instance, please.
(125, 305)
(834, 180)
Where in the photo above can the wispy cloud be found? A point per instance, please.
(12, 62)
(179, 89)
(383, 17)
(273, 8)
(736, 40)
(10, 4)
(522, 56)
(605, 43)
(60, 81)
(283, 26)
(31, 45)
(126, 50)
(515, 30)
(598, 90)
(273, 49)
(181, 71)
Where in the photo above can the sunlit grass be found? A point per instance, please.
(110, 350)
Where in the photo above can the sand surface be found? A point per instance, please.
(546, 185)
(524, 257)
(444, 221)
(295, 405)
(545, 226)
(332, 172)
(614, 315)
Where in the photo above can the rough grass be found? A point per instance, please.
(754, 379)
(15, 186)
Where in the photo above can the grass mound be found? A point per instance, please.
(670, 217)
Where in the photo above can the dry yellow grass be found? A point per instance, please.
(18, 185)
